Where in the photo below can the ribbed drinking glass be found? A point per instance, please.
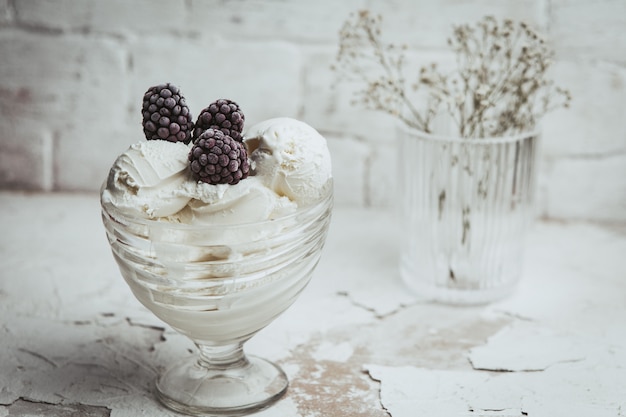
(466, 206)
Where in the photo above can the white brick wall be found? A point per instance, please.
(72, 73)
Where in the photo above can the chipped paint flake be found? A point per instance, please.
(525, 346)
(410, 391)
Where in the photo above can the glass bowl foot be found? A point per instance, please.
(197, 388)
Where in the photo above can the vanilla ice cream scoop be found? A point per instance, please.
(290, 157)
(249, 201)
(146, 179)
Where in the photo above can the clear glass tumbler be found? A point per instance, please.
(219, 285)
(466, 206)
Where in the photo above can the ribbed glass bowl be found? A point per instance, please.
(219, 285)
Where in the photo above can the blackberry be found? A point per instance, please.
(222, 114)
(166, 115)
(217, 158)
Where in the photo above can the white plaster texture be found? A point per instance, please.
(73, 338)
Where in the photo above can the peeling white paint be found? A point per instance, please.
(71, 332)
(411, 391)
(524, 346)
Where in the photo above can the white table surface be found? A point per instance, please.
(74, 341)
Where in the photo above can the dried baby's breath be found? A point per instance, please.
(499, 87)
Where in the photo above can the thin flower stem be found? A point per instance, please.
(499, 85)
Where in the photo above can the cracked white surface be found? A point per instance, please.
(74, 340)
(411, 391)
(524, 346)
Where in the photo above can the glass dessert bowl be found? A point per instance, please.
(219, 285)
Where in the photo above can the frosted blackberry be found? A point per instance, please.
(222, 114)
(166, 115)
(217, 158)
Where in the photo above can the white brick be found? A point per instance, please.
(426, 23)
(327, 104)
(114, 16)
(595, 122)
(586, 188)
(256, 19)
(263, 78)
(595, 29)
(306, 21)
(25, 154)
(60, 14)
(75, 87)
(73, 72)
(349, 158)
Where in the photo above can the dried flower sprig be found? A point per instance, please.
(499, 87)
